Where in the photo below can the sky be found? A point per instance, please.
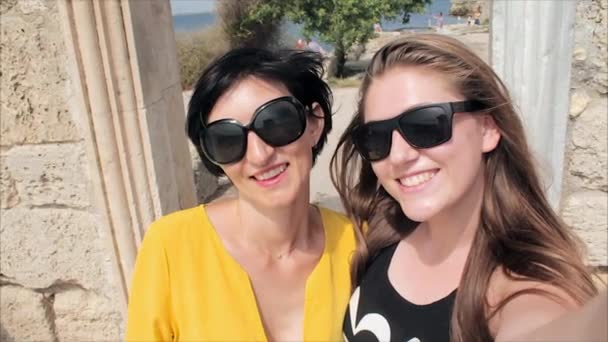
(192, 6)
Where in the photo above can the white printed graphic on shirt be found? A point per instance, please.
(372, 322)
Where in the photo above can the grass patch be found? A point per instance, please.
(195, 50)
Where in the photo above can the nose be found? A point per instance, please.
(401, 150)
(258, 152)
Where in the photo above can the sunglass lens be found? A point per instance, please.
(225, 142)
(280, 123)
(427, 127)
(373, 141)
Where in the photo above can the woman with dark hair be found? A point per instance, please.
(457, 239)
(265, 265)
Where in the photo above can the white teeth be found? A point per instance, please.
(417, 179)
(271, 173)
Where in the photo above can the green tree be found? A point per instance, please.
(344, 23)
(341, 23)
(251, 23)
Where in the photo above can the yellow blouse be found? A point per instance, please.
(186, 287)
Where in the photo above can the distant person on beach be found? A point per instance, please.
(377, 27)
(457, 240)
(300, 44)
(439, 20)
(477, 16)
(266, 264)
(312, 45)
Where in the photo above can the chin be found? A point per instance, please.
(283, 197)
(419, 213)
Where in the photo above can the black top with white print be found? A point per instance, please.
(377, 312)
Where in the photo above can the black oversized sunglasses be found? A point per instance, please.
(422, 127)
(277, 122)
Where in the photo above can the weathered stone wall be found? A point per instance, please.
(56, 282)
(585, 195)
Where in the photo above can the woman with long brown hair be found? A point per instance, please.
(456, 237)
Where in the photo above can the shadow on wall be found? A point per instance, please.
(330, 202)
(209, 187)
(205, 183)
(4, 336)
(224, 189)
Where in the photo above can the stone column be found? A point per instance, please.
(126, 80)
(92, 149)
(531, 46)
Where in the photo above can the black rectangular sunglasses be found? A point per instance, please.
(277, 122)
(422, 127)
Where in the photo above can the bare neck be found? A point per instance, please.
(276, 229)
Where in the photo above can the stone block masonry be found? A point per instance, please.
(44, 247)
(585, 198)
(25, 315)
(46, 174)
(32, 69)
(55, 283)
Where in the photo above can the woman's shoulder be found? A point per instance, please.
(504, 285)
(517, 305)
(338, 227)
(333, 217)
(177, 224)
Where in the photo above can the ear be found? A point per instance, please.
(316, 123)
(490, 134)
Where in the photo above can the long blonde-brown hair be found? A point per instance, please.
(518, 229)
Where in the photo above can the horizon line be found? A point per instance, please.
(191, 13)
